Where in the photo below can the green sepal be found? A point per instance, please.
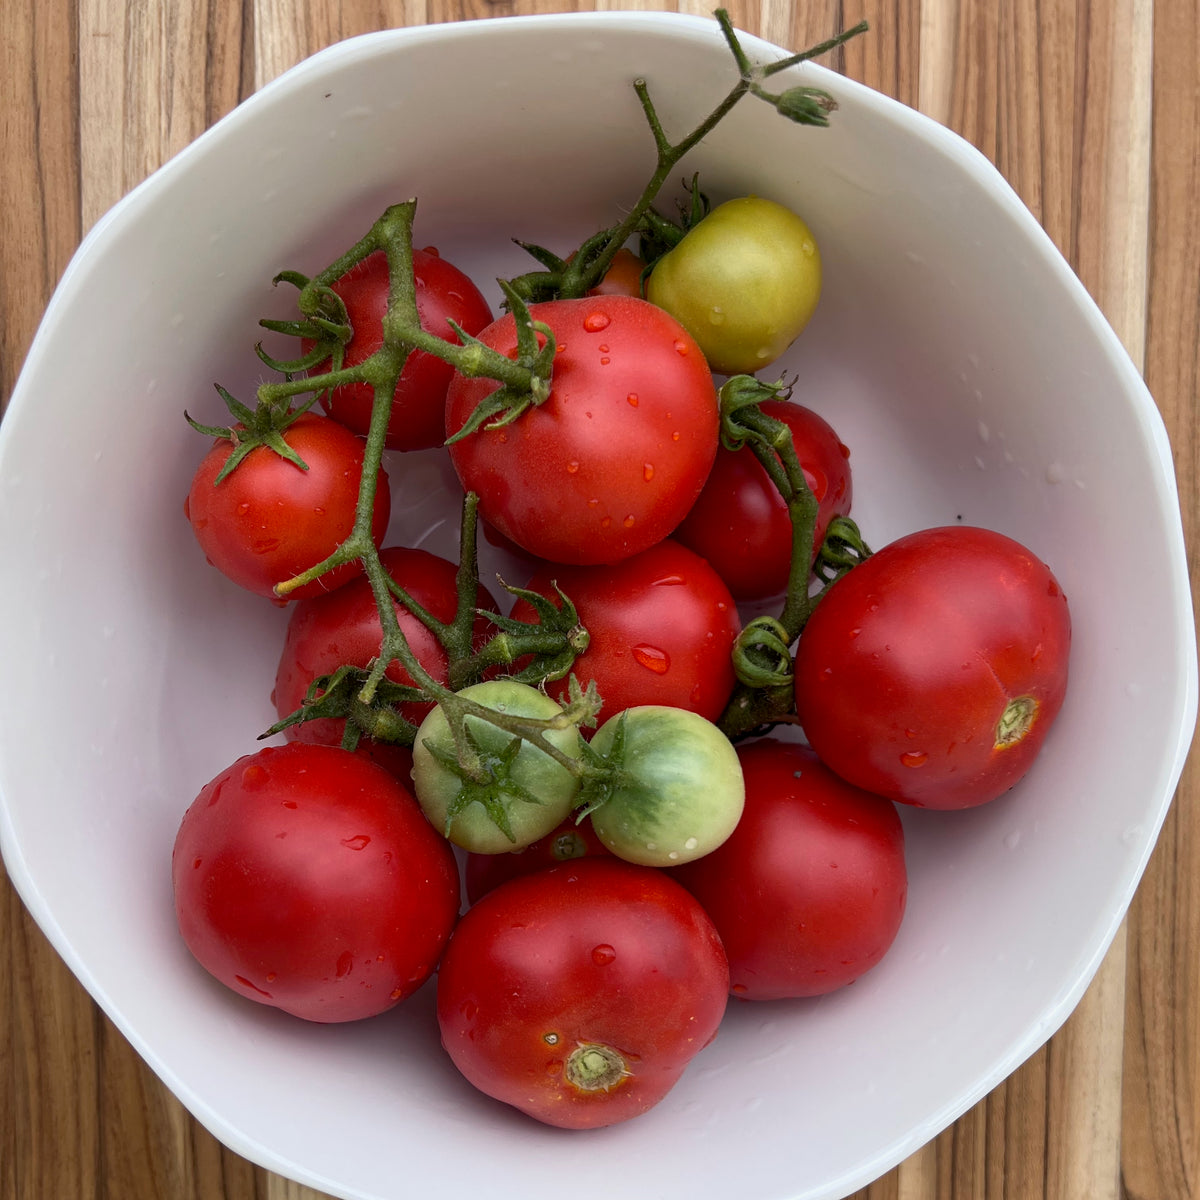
(602, 773)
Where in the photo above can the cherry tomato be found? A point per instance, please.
(444, 294)
(535, 796)
(809, 890)
(307, 879)
(611, 462)
(744, 282)
(342, 629)
(579, 994)
(268, 519)
(569, 840)
(623, 277)
(932, 672)
(679, 792)
(741, 524)
(662, 626)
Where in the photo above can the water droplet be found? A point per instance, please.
(254, 777)
(289, 804)
(914, 758)
(1012, 840)
(345, 964)
(596, 321)
(196, 863)
(359, 842)
(551, 1039)
(675, 435)
(603, 954)
(605, 522)
(669, 581)
(243, 508)
(605, 360)
(681, 347)
(716, 315)
(739, 989)
(396, 994)
(647, 471)
(628, 522)
(572, 467)
(691, 843)
(652, 658)
(762, 353)
(247, 984)
(632, 399)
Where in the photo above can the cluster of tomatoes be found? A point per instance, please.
(599, 767)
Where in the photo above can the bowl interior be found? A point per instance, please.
(953, 351)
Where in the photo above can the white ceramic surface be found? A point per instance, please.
(955, 353)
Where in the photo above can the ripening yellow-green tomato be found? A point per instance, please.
(743, 282)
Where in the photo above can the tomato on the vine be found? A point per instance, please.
(343, 629)
(662, 626)
(932, 671)
(444, 294)
(744, 281)
(579, 994)
(269, 519)
(307, 879)
(740, 523)
(809, 891)
(532, 792)
(612, 460)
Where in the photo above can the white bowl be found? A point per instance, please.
(955, 353)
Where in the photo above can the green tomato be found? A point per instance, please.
(531, 793)
(743, 282)
(678, 791)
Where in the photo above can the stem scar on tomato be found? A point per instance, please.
(1015, 721)
(595, 1067)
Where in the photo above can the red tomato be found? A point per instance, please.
(611, 462)
(571, 840)
(809, 890)
(342, 629)
(931, 672)
(662, 627)
(308, 879)
(579, 994)
(444, 294)
(268, 520)
(741, 522)
(623, 277)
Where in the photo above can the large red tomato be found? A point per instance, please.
(580, 993)
(611, 462)
(444, 294)
(269, 519)
(741, 523)
(662, 626)
(809, 890)
(307, 879)
(931, 672)
(342, 629)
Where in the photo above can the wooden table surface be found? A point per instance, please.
(1092, 112)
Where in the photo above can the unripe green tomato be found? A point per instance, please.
(545, 790)
(743, 282)
(680, 793)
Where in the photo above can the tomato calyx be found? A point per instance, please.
(595, 1067)
(555, 640)
(263, 425)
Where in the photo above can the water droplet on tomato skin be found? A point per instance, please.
(345, 964)
(681, 348)
(914, 758)
(647, 471)
(596, 321)
(572, 468)
(652, 658)
(254, 777)
(359, 842)
(629, 522)
(243, 508)
(632, 399)
(603, 954)
(739, 989)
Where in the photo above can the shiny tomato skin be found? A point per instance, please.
(444, 293)
(913, 672)
(611, 462)
(571, 840)
(342, 629)
(740, 523)
(268, 519)
(595, 957)
(307, 879)
(809, 891)
(662, 626)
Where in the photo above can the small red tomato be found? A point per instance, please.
(580, 993)
(932, 672)
(342, 629)
(444, 294)
(614, 457)
(268, 519)
(571, 840)
(662, 626)
(307, 879)
(809, 890)
(741, 523)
